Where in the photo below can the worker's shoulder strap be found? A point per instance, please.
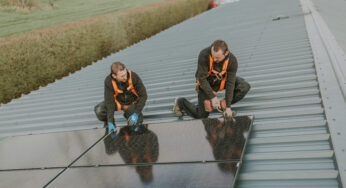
(116, 92)
(224, 72)
(211, 62)
(131, 87)
(115, 88)
(225, 65)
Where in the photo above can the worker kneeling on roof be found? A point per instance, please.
(124, 90)
(216, 71)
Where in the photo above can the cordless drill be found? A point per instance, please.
(208, 105)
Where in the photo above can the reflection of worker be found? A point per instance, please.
(227, 140)
(136, 147)
(125, 91)
(216, 71)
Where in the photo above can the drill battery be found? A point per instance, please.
(208, 105)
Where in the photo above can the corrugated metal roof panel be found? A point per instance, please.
(290, 144)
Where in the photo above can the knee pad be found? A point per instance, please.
(97, 110)
(100, 114)
(246, 87)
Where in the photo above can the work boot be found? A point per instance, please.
(176, 109)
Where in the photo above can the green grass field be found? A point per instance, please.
(54, 48)
(14, 20)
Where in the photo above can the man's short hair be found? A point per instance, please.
(220, 45)
(117, 66)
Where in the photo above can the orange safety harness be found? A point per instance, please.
(117, 91)
(218, 74)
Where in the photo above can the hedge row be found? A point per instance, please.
(39, 57)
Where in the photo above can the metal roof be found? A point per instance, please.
(290, 143)
(334, 14)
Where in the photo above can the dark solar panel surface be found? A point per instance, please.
(196, 153)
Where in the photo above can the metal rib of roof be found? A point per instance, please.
(290, 144)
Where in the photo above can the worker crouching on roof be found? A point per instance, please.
(124, 91)
(216, 71)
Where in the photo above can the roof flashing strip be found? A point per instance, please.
(331, 71)
(335, 52)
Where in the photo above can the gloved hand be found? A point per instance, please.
(133, 119)
(227, 113)
(222, 107)
(112, 128)
(215, 102)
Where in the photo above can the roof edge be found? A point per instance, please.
(331, 78)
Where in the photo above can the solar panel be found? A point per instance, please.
(192, 153)
(26, 178)
(45, 150)
(185, 141)
(163, 175)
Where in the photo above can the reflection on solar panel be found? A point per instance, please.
(186, 153)
(185, 141)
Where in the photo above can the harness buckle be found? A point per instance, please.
(218, 77)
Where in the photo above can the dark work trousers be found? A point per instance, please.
(241, 88)
(101, 112)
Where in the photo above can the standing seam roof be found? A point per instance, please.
(290, 142)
